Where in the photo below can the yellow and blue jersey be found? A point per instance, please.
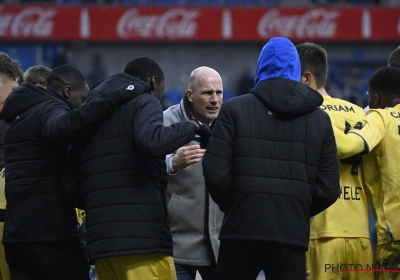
(348, 217)
(380, 131)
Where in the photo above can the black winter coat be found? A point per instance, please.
(34, 162)
(123, 178)
(41, 125)
(271, 163)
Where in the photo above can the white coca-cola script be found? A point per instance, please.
(29, 22)
(314, 23)
(174, 23)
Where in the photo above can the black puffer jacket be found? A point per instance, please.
(42, 124)
(123, 178)
(271, 163)
(34, 163)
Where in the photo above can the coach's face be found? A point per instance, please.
(206, 96)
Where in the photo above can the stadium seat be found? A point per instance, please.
(143, 2)
(196, 2)
(72, 2)
(177, 2)
(266, 2)
(231, 2)
(249, 2)
(361, 2)
(214, 2)
(162, 2)
(127, 2)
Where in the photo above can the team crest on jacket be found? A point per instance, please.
(358, 125)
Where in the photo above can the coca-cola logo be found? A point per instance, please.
(174, 23)
(315, 23)
(29, 22)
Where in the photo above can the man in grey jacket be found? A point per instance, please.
(195, 218)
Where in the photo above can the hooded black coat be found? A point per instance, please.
(271, 163)
(34, 163)
(42, 124)
(123, 179)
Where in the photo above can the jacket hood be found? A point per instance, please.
(286, 97)
(115, 82)
(278, 58)
(24, 97)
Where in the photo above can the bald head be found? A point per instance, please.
(205, 93)
(200, 74)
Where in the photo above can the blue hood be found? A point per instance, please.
(278, 58)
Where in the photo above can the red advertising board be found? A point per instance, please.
(103, 23)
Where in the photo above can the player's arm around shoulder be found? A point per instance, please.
(151, 136)
(55, 117)
(366, 134)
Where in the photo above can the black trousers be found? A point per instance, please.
(61, 260)
(244, 259)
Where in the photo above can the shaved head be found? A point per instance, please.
(200, 74)
(204, 93)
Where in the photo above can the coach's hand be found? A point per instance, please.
(186, 156)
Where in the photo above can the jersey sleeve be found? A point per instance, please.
(371, 129)
(348, 144)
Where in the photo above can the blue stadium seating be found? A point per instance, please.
(214, 2)
(197, 2)
(174, 96)
(228, 94)
(231, 2)
(127, 2)
(249, 2)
